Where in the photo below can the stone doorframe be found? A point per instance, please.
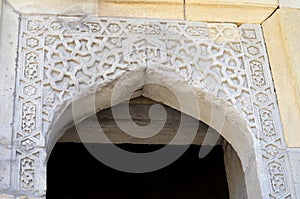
(59, 59)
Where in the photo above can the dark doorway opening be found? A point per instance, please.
(74, 173)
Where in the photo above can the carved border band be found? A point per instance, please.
(269, 131)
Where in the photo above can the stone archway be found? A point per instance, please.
(66, 59)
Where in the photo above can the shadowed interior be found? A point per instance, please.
(74, 173)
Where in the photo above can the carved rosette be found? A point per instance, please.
(61, 56)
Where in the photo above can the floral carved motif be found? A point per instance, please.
(27, 172)
(277, 178)
(28, 117)
(268, 128)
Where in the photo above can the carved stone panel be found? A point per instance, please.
(59, 57)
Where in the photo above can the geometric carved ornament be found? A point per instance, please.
(60, 56)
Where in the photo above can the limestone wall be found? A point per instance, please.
(239, 11)
(282, 38)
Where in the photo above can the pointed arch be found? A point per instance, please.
(65, 60)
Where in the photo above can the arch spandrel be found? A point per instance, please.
(62, 59)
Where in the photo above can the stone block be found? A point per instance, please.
(281, 32)
(65, 7)
(242, 11)
(294, 155)
(8, 48)
(4, 174)
(5, 196)
(289, 22)
(235, 175)
(239, 11)
(290, 4)
(151, 9)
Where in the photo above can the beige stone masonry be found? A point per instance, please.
(66, 7)
(163, 9)
(290, 3)
(289, 21)
(238, 11)
(4, 196)
(281, 34)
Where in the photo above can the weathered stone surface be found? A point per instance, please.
(281, 32)
(294, 156)
(65, 7)
(5, 173)
(1, 3)
(139, 111)
(5, 196)
(289, 21)
(8, 56)
(235, 175)
(139, 9)
(239, 2)
(164, 9)
(238, 11)
(289, 4)
(28, 197)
